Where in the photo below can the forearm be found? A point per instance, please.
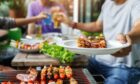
(23, 21)
(89, 27)
(134, 34)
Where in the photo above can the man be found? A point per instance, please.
(6, 23)
(38, 6)
(119, 19)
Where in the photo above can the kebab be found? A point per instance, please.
(68, 72)
(62, 72)
(55, 73)
(49, 73)
(43, 73)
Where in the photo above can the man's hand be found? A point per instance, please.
(125, 51)
(41, 16)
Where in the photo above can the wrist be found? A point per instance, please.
(74, 25)
(129, 39)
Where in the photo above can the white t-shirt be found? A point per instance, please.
(120, 19)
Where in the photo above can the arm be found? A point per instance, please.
(7, 23)
(90, 27)
(134, 34)
(132, 37)
(23, 21)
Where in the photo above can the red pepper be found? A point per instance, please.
(56, 76)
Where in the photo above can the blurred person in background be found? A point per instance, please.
(17, 10)
(118, 20)
(48, 6)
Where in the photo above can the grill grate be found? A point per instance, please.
(78, 74)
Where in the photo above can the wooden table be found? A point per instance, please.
(25, 60)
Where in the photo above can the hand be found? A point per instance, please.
(55, 9)
(41, 16)
(59, 16)
(125, 51)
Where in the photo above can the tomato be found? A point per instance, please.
(69, 75)
(30, 82)
(25, 46)
(9, 82)
(3, 82)
(61, 70)
(62, 76)
(22, 83)
(56, 76)
(43, 82)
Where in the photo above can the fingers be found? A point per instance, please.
(122, 38)
(128, 40)
(123, 52)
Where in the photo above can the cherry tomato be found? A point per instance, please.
(61, 70)
(30, 82)
(56, 76)
(43, 82)
(9, 82)
(62, 76)
(69, 75)
(22, 83)
(3, 82)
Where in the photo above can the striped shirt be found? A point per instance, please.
(7, 23)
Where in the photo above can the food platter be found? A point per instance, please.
(112, 47)
(29, 45)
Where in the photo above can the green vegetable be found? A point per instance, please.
(58, 52)
(90, 33)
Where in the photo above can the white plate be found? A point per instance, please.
(31, 41)
(112, 47)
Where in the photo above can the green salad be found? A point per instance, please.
(90, 33)
(58, 52)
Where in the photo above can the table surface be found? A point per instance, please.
(25, 60)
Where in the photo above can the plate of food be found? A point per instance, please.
(30, 45)
(93, 46)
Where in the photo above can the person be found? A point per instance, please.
(7, 23)
(118, 20)
(48, 6)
